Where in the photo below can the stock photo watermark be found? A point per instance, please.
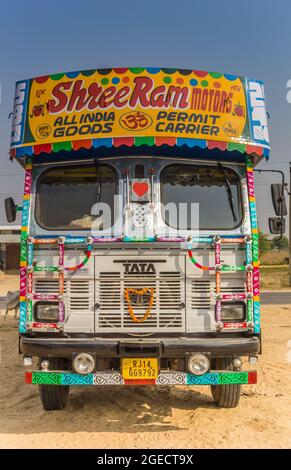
(142, 220)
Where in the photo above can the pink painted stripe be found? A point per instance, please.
(45, 296)
(217, 253)
(106, 240)
(233, 296)
(251, 183)
(256, 281)
(22, 289)
(61, 312)
(218, 311)
(170, 239)
(61, 254)
(27, 182)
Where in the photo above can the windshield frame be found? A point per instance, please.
(72, 165)
(200, 164)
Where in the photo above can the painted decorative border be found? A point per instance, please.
(116, 142)
(254, 277)
(252, 294)
(24, 254)
(136, 71)
(165, 378)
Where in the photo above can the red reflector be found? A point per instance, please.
(28, 377)
(252, 377)
(235, 325)
(139, 382)
(44, 325)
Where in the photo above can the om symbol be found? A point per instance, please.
(135, 121)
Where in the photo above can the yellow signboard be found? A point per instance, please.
(131, 103)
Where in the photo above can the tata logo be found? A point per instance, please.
(139, 268)
(18, 112)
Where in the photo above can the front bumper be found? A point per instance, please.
(164, 378)
(159, 347)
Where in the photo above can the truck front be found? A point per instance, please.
(139, 242)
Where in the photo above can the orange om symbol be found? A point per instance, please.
(135, 120)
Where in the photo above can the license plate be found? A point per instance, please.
(140, 368)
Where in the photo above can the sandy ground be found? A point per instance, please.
(149, 417)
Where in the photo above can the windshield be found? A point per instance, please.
(217, 193)
(66, 196)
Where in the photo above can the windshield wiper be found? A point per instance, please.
(99, 191)
(229, 191)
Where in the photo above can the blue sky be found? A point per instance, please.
(248, 38)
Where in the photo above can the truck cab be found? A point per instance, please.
(139, 242)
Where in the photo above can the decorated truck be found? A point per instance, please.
(139, 242)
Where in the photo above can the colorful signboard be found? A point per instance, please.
(139, 102)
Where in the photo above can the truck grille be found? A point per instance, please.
(200, 294)
(78, 294)
(166, 311)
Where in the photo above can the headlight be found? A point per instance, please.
(46, 312)
(84, 363)
(233, 311)
(198, 364)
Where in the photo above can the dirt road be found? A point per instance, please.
(139, 417)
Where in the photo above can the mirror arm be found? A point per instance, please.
(19, 208)
(282, 195)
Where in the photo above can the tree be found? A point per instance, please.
(265, 245)
(280, 244)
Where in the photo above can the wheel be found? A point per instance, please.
(225, 396)
(54, 397)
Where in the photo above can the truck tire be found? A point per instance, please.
(225, 396)
(54, 397)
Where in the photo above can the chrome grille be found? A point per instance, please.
(78, 293)
(113, 309)
(47, 286)
(200, 293)
(232, 289)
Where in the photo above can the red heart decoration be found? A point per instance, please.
(140, 188)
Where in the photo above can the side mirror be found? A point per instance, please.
(277, 225)
(278, 199)
(10, 209)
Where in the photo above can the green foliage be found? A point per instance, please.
(280, 244)
(265, 244)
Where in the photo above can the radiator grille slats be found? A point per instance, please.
(78, 293)
(47, 286)
(97, 297)
(166, 310)
(200, 293)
